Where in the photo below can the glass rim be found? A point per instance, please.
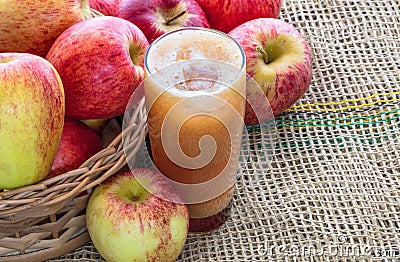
(214, 31)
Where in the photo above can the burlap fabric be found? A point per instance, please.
(332, 189)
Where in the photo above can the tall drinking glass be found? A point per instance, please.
(195, 94)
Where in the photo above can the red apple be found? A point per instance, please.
(156, 17)
(78, 143)
(224, 15)
(32, 26)
(279, 60)
(31, 118)
(106, 7)
(100, 62)
(127, 221)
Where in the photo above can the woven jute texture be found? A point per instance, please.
(331, 190)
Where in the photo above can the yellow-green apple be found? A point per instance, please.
(127, 221)
(98, 125)
(279, 60)
(100, 62)
(224, 15)
(31, 118)
(78, 143)
(156, 17)
(33, 25)
(106, 7)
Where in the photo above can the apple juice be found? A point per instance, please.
(195, 98)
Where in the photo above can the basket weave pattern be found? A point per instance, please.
(47, 219)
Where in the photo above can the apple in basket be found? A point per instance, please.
(127, 221)
(100, 62)
(224, 15)
(78, 143)
(156, 17)
(279, 59)
(31, 118)
(32, 26)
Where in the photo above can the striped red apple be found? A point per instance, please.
(155, 17)
(31, 118)
(78, 143)
(100, 62)
(279, 60)
(224, 15)
(33, 26)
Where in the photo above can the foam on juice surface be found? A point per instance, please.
(193, 50)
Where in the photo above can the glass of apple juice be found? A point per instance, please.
(195, 93)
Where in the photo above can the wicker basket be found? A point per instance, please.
(47, 220)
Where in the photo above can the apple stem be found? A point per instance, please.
(264, 54)
(168, 20)
(135, 198)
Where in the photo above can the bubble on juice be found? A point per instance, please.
(199, 76)
(187, 52)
